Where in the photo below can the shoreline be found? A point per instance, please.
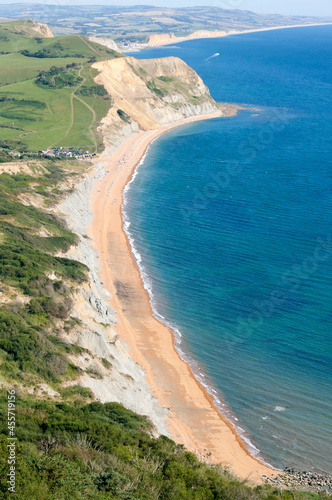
(191, 37)
(193, 419)
(197, 370)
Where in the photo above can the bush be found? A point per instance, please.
(151, 85)
(104, 451)
(123, 115)
(25, 261)
(50, 53)
(59, 77)
(98, 90)
(166, 79)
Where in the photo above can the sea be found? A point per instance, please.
(230, 221)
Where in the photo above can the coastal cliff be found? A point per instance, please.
(147, 94)
(168, 38)
(42, 30)
(143, 96)
(106, 366)
(107, 42)
(30, 27)
(161, 39)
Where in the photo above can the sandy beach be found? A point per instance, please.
(193, 420)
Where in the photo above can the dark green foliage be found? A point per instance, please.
(14, 182)
(166, 79)
(49, 53)
(59, 77)
(25, 261)
(104, 451)
(24, 102)
(123, 115)
(26, 348)
(106, 363)
(93, 90)
(65, 347)
(160, 92)
(76, 390)
(5, 157)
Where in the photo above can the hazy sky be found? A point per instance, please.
(296, 7)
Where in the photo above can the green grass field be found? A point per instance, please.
(48, 115)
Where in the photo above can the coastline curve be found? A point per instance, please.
(193, 418)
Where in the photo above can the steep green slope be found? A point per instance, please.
(35, 283)
(47, 94)
(96, 451)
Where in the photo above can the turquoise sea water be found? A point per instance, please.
(232, 221)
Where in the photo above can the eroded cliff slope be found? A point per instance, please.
(149, 93)
(31, 28)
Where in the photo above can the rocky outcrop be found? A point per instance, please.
(149, 93)
(304, 481)
(162, 39)
(38, 29)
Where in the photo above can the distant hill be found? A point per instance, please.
(28, 28)
(135, 23)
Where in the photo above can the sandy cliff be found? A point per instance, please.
(168, 38)
(162, 39)
(38, 29)
(147, 94)
(107, 369)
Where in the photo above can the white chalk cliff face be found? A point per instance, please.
(108, 42)
(147, 94)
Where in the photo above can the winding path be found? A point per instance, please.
(94, 115)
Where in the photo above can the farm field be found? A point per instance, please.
(47, 93)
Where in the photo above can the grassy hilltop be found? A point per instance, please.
(47, 93)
